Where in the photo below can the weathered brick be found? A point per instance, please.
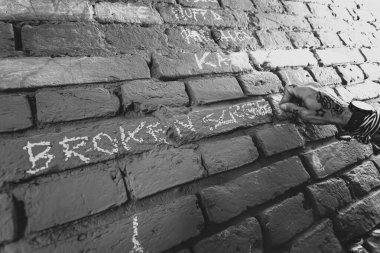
(8, 222)
(344, 3)
(340, 12)
(278, 112)
(161, 170)
(75, 195)
(296, 8)
(77, 146)
(15, 113)
(7, 43)
(281, 21)
(208, 122)
(360, 91)
(364, 15)
(304, 39)
(283, 58)
(361, 26)
(371, 70)
(223, 155)
(277, 139)
(260, 83)
(206, 91)
(238, 4)
(69, 10)
(200, 4)
(39, 72)
(319, 10)
(334, 157)
(236, 40)
(351, 74)
(286, 219)
(371, 54)
(274, 40)
(326, 75)
(319, 238)
(126, 13)
(362, 179)
(355, 39)
(148, 95)
(269, 6)
(329, 196)
(358, 218)
(191, 39)
(75, 103)
(329, 39)
(317, 132)
(184, 251)
(242, 237)
(295, 76)
(189, 64)
(329, 24)
(330, 56)
(223, 202)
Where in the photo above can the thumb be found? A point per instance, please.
(293, 108)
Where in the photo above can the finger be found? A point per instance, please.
(293, 108)
(289, 93)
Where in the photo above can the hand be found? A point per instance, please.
(315, 106)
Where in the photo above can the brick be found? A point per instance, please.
(326, 76)
(328, 24)
(329, 196)
(184, 251)
(222, 202)
(161, 170)
(362, 179)
(238, 4)
(283, 58)
(358, 218)
(89, 191)
(296, 8)
(189, 64)
(333, 157)
(269, 6)
(260, 83)
(361, 91)
(77, 146)
(206, 91)
(7, 43)
(274, 100)
(242, 237)
(286, 219)
(317, 132)
(371, 70)
(364, 15)
(208, 122)
(8, 223)
(355, 39)
(43, 71)
(295, 77)
(330, 56)
(126, 13)
(70, 10)
(274, 40)
(191, 39)
(341, 13)
(236, 40)
(72, 39)
(351, 74)
(277, 139)
(303, 39)
(361, 26)
(319, 238)
(319, 10)
(281, 21)
(200, 4)
(372, 54)
(148, 95)
(344, 3)
(15, 113)
(75, 103)
(329, 39)
(223, 155)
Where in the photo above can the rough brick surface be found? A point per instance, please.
(192, 39)
(274, 40)
(160, 170)
(303, 39)
(328, 24)
(269, 6)
(242, 237)
(359, 217)
(319, 238)
(332, 56)
(326, 75)
(232, 39)
(39, 72)
(73, 195)
(200, 4)
(362, 179)
(360, 91)
(334, 157)
(205, 91)
(15, 113)
(69, 10)
(329, 196)
(284, 220)
(355, 39)
(7, 43)
(319, 10)
(222, 155)
(295, 77)
(371, 70)
(75, 103)
(317, 132)
(277, 139)
(223, 202)
(296, 8)
(147, 96)
(371, 55)
(260, 83)
(8, 226)
(238, 4)
(329, 39)
(351, 74)
(281, 21)
(199, 63)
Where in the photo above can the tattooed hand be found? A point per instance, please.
(315, 106)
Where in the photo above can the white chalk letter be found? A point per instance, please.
(42, 155)
(69, 152)
(98, 137)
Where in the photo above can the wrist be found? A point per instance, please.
(344, 118)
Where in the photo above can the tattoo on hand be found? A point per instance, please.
(328, 104)
(320, 112)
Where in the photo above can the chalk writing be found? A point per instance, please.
(69, 152)
(137, 248)
(188, 125)
(235, 36)
(220, 60)
(42, 155)
(193, 36)
(194, 14)
(98, 137)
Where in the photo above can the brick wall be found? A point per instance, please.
(154, 126)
